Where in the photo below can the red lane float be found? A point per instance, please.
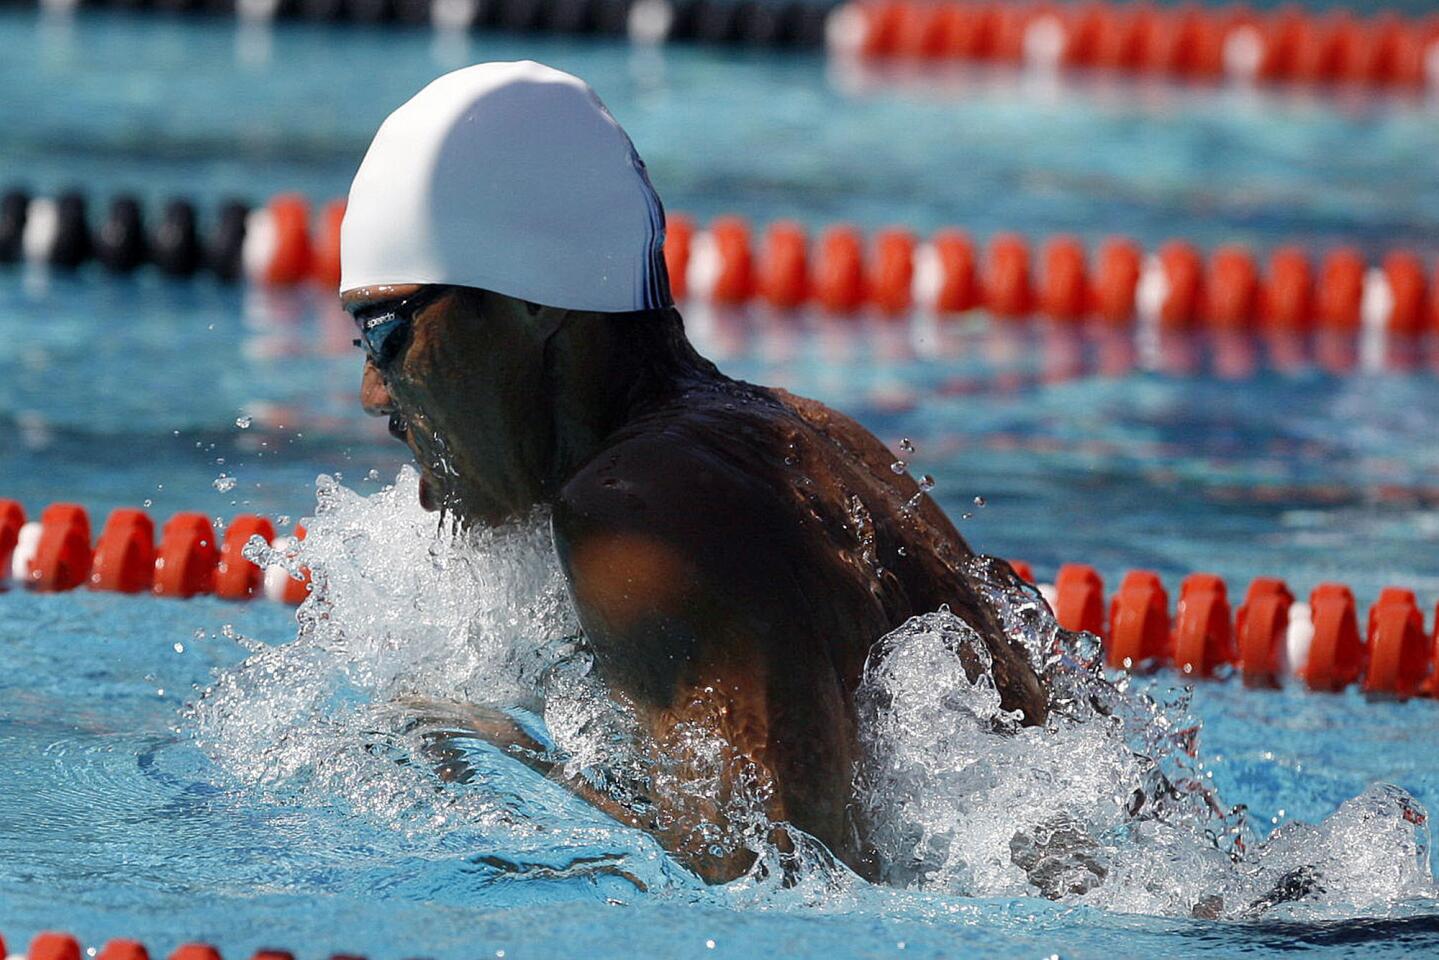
(62, 556)
(784, 265)
(893, 283)
(325, 261)
(1079, 603)
(1183, 273)
(54, 554)
(1203, 637)
(12, 518)
(733, 281)
(1398, 650)
(1341, 290)
(958, 287)
(1290, 45)
(277, 249)
(1138, 621)
(119, 949)
(236, 578)
(1393, 658)
(53, 946)
(1336, 654)
(1064, 285)
(1007, 292)
(125, 553)
(1288, 296)
(839, 271)
(679, 233)
(188, 554)
(1261, 625)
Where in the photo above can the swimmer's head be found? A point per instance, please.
(509, 177)
(502, 253)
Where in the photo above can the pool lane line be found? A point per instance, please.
(52, 945)
(1268, 638)
(54, 554)
(1373, 50)
(768, 24)
(893, 274)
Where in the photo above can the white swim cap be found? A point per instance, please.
(511, 177)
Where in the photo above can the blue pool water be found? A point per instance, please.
(250, 821)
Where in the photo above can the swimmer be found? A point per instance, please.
(733, 551)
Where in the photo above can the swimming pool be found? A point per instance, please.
(116, 393)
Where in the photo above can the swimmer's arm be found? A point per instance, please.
(448, 721)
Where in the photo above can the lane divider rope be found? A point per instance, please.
(794, 24)
(1377, 50)
(55, 554)
(894, 273)
(1269, 637)
(1272, 636)
(52, 945)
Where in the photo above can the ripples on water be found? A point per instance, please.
(1107, 805)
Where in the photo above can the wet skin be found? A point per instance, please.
(733, 551)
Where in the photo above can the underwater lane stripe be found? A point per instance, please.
(893, 275)
(54, 555)
(1269, 638)
(1375, 50)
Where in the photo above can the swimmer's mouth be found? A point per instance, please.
(400, 429)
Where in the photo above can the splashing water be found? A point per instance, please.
(1104, 805)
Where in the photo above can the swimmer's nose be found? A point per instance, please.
(374, 395)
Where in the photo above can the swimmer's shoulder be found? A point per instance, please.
(680, 552)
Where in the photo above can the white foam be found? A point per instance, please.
(1106, 804)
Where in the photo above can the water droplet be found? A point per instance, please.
(179, 648)
(224, 483)
(903, 552)
(244, 422)
(898, 467)
(147, 503)
(709, 944)
(979, 501)
(966, 516)
(373, 475)
(906, 445)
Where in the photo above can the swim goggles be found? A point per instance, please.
(385, 328)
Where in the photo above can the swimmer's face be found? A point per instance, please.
(460, 374)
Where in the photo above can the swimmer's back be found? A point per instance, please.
(749, 498)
